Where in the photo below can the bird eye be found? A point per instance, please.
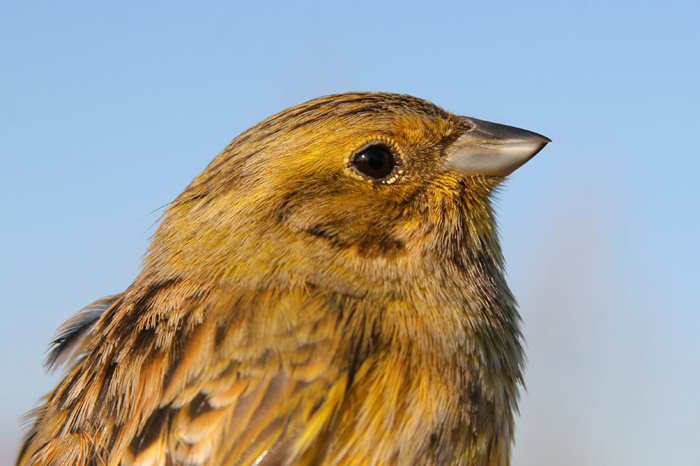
(374, 160)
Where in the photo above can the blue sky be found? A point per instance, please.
(109, 109)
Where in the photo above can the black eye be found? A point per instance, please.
(374, 160)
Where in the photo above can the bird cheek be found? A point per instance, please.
(313, 222)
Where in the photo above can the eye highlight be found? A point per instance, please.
(374, 160)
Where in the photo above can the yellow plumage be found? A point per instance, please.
(329, 291)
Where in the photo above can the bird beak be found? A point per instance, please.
(490, 149)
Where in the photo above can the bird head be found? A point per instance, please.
(360, 193)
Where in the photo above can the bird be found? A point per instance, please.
(330, 290)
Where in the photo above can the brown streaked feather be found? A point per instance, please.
(65, 344)
(216, 405)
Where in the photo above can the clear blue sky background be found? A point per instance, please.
(109, 109)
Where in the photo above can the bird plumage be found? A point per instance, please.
(292, 309)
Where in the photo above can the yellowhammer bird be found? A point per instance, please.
(330, 291)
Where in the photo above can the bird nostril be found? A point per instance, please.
(466, 124)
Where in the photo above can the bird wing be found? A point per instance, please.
(182, 376)
(240, 419)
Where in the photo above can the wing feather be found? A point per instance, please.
(178, 375)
